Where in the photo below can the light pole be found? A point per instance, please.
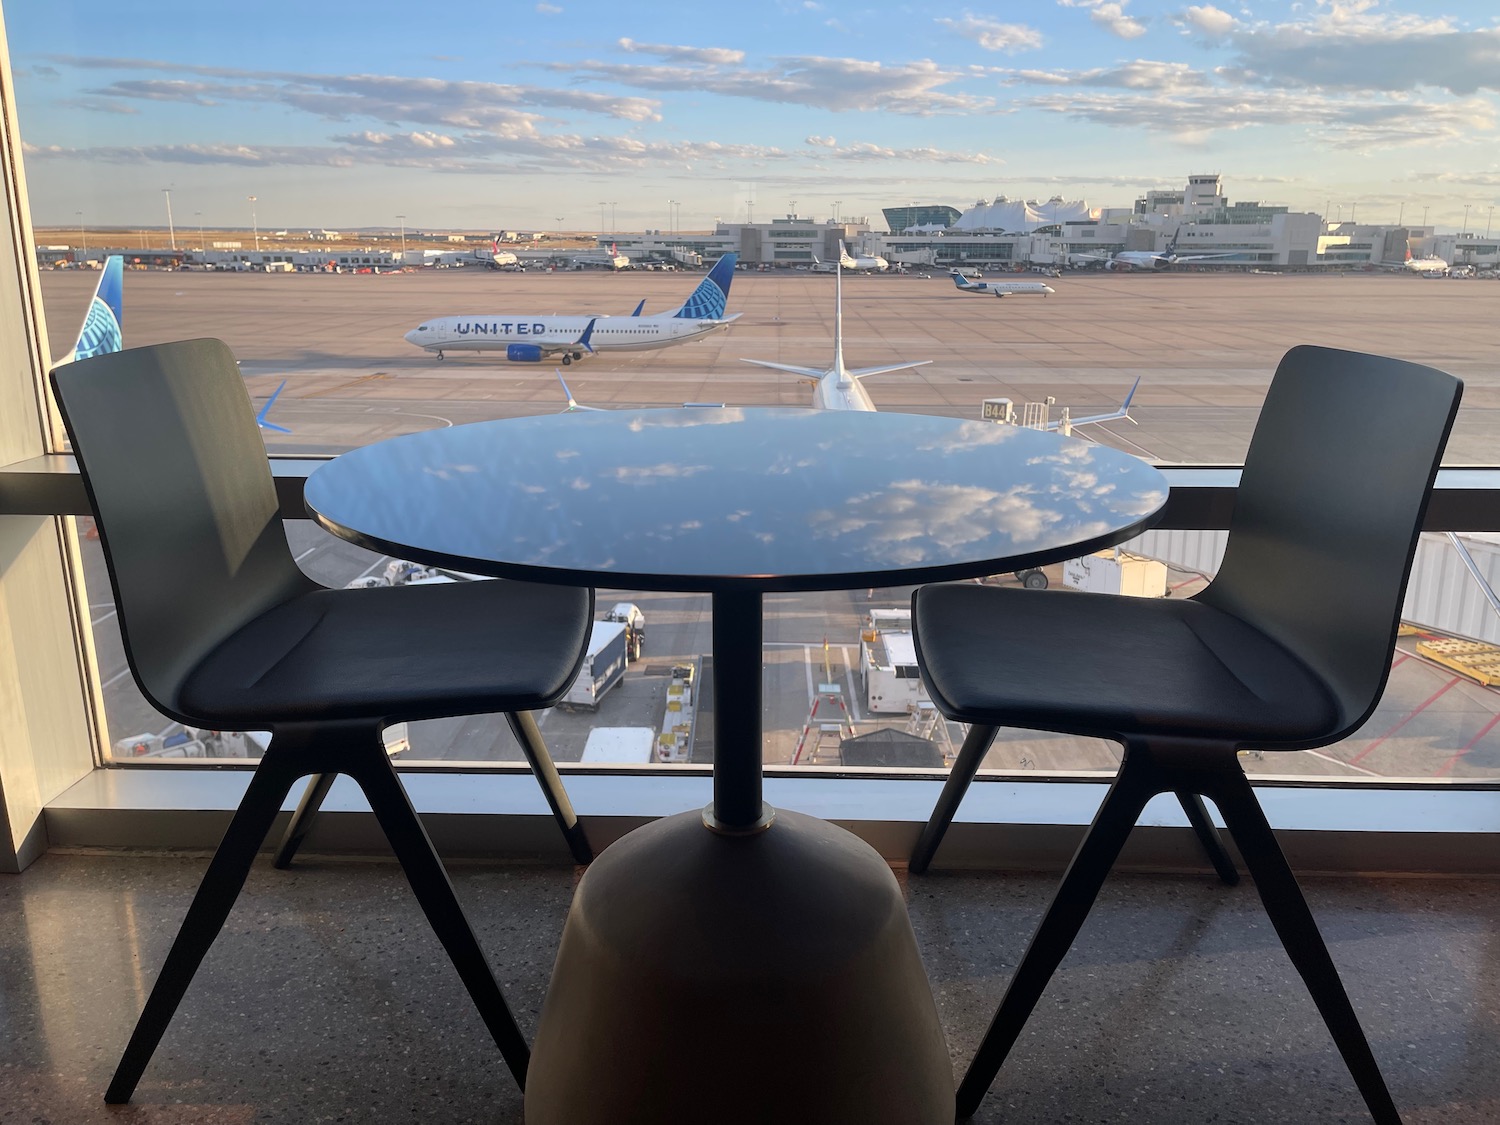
(612, 203)
(603, 203)
(171, 230)
(403, 238)
(199, 216)
(83, 235)
(1401, 215)
(836, 204)
(671, 222)
(1424, 218)
(1466, 220)
(1489, 220)
(254, 223)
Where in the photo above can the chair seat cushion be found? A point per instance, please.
(394, 653)
(1112, 667)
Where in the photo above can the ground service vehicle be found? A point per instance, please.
(603, 666)
(629, 614)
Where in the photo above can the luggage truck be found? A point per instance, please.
(629, 614)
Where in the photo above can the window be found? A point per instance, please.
(140, 144)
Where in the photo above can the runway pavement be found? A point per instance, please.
(1205, 347)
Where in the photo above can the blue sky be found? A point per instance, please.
(508, 114)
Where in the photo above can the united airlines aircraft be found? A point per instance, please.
(103, 330)
(103, 325)
(532, 338)
(836, 387)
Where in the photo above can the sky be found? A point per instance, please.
(623, 116)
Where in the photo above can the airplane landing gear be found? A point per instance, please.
(567, 359)
(440, 355)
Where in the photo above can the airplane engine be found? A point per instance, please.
(1110, 266)
(523, 353)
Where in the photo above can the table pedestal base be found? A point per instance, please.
(770, 977)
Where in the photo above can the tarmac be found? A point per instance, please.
(1205, 346)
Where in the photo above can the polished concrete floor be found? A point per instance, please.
(326, 999)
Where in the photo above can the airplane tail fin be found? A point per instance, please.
(960, 281)
(1172, 246)
(583, 341)
(711, 298)
(103, 325)
(639, 307)
(260, 415)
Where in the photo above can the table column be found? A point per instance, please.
(737, 633)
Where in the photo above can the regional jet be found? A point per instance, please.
(531, 338)
(836, 387)
(848, 262)
(1000, 288)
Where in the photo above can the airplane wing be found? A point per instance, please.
(1206, 257)
(809, 372)
(1113, 415)
(260, 415)
(863, 371)
(573, 403)
(553, 343)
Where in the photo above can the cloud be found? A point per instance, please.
(1350, 47)
(995, 36)
(1489, 178)
(1344, 123)
(711, 55)
(824, 142)
(1110, 16)
(385, 98)
(836, 84)
(1142, 74)
(1210, 20)
(549, 9)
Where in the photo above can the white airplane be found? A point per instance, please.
(848, 262)
(1154, 259)
(532, 338)
(836, 387)
(1001, 288)
(1423, 266)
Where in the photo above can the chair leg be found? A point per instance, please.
(1059, 926)
(429, 882)
(302, 820)
(1299, 933)
(965, 766)
(216, 895)
(523, 725)
(1208, 836)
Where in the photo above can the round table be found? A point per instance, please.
(681, 944)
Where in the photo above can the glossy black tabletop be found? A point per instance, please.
(724, 499)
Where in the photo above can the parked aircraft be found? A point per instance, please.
(103, 330)
(849, 262)
(1425, 267)
(531, 338)
(1150, 259)
(836, 387)
(1001, 288)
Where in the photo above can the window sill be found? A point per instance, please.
(1004, 824)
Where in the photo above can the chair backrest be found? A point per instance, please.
(1329, 509)
(186, 508)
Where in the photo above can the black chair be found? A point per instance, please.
(223, 631)
(1288, 648)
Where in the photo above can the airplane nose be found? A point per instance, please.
(411, 337)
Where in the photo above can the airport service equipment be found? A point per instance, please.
(888, 663)
(629, 614)
(1117, 572)
(630, 746)
(603, 666)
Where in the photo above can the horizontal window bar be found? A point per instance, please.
(1463, 499)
